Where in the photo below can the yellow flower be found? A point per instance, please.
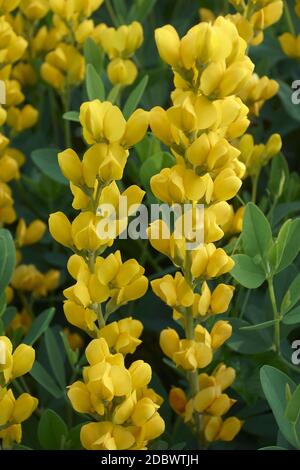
(122, 72)
(290, 45)
(31, 234)
(177, 400)
(102, 122)
(174, 291)
(121, 42)
(122, 336)
(22, 119)
(34, 9)
(63, 67)
(220, 332)
(60, 228)
(106, 436)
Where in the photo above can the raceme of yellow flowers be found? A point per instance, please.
(118, 397)
(210, 68)
(13, 412)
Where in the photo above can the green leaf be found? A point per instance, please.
(94, 85)
(93, 55)
(274, 382)
(140, 10)
(244, 341)
(39, 326)
(46, 161)
(246, 272)
(52, 431)
(288, 243)
(259, 326)
(135, 97)
(278, 175)
(154, 165)
(114, 93)
(120, 8)
(292, 295)
(293, 317)
(7, 258)
(71, 355)
(71, 116)
(257, 233)
(8, 316)
(292, 411)
(39, 373)
(55, 358)
(285, 95)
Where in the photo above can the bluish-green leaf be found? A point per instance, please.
(93, 55)
(114, 93)
(140, 9)
(257, 233)
(292, 411)
(292, 296)
(246, 272)
(293, 317)
(71, 116)
(39, 373)
(288, 243)
(39, 326)
(52, 431)
(135, 97)
(274, 383)
(94, 85)
(7, 258)
(285, 95)
(55, 358)
(46, 161)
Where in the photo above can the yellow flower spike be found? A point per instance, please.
(24, 406)
(122, 72)
(136, 128)
(60, 229)
(230, 428)
(141, 374)
(80, 397)
(221, 298)
(220, 332)
(7, 403)
(71, 166)
(23, 359)
(106, 162)
(177, 400)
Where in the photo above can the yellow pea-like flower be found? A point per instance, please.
(122, 72)
(23, 359)
(60, 228)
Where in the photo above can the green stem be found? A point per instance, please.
(288, 18)
(276, 315)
